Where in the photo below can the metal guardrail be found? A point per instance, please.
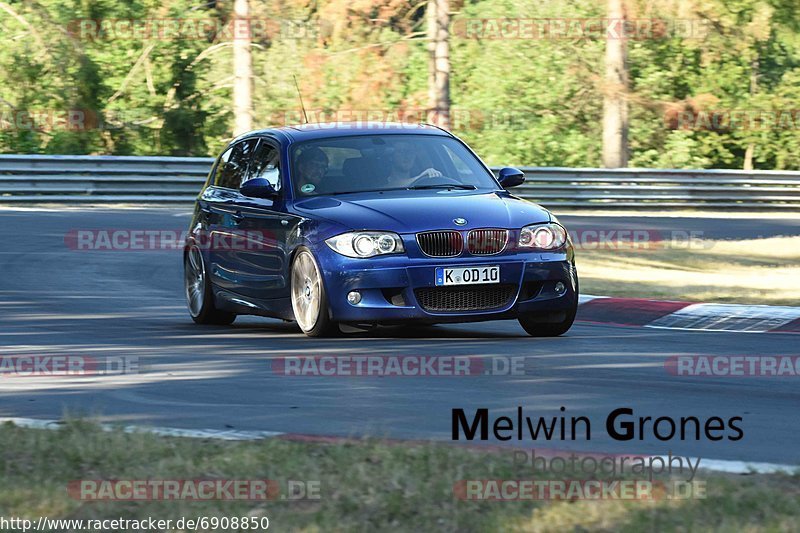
(152, 180)
(101, 179)
(660, 188)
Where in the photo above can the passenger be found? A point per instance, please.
(312, 164)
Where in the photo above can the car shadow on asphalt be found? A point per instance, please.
(437, 331)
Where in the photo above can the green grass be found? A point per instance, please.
(758, 271)
(364, 486)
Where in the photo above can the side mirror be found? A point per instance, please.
(511, 177)
(258, 188)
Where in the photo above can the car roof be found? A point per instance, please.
(322, 130)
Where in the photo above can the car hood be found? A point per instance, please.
(414, 211)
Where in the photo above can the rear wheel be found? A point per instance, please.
(309, 300)
(199, 296)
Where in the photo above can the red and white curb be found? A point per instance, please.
(713, 465)
(689, 316)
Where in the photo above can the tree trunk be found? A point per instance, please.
(748, 156)
(438, 17)
(751, 148)
(242, 69)
(615, 101)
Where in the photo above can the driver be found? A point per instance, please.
(312, 165)
(403, 160)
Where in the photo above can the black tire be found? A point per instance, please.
(536, 326)
(317, 322)
(197, 285)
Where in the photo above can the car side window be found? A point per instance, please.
(233, 164)
(266, 164)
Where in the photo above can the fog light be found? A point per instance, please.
(354, 297)
(560, 288)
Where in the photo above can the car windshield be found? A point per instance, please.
(380, 162)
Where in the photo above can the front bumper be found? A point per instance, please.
(389, 285)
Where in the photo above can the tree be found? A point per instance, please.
(615, 94)
(242, 69)
(438, 16)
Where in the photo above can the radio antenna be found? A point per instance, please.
(301, 98)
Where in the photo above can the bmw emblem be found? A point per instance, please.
(460, 221)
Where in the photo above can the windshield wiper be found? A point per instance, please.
(342, 192)
(443, 186)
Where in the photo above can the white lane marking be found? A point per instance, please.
(715, 465)
(13, 208)
(739, 467)
(728, 317)
(583, 298)
(33, 423)
(711, 330)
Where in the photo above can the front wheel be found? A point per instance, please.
(536, 328)
(309, 300)
(537, 325)
(199, 296)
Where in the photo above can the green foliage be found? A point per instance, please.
(516, 100)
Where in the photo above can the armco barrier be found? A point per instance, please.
(154, 180)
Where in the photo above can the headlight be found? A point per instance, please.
(366, 243)
(542, 236)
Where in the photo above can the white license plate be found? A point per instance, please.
(467, 275)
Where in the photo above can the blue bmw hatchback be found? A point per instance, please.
(372, 224)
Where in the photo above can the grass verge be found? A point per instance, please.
(758, 271)
(364, 486)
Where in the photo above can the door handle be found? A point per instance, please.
(237, 217)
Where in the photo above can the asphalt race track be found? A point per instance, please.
(57, 301)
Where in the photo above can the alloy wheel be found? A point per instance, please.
(194, 281)
(306, 291)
